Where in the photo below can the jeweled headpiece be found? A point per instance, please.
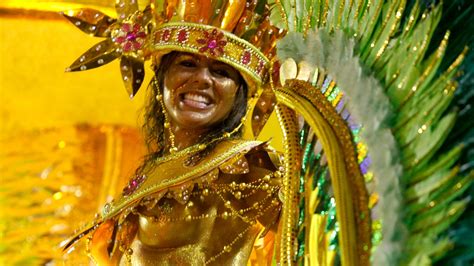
(235, 32)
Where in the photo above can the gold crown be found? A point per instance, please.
(237, 32)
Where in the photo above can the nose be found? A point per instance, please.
(203, 78)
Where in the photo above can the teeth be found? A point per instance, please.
(197, 98)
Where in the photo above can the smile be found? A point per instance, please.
(196, 100)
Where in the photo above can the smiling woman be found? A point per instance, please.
(200, 96)
(195, 112)
(203, 195)
(199, 92)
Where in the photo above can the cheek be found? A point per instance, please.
(228, 100)
(167, 101)
(168, 92)
(228, 90)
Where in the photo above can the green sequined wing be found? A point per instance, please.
(371, 64)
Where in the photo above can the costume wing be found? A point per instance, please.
(364, 111)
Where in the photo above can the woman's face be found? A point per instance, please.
(199, 92)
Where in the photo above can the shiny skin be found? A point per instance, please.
(191, 74)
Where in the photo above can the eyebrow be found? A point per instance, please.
(219, 63)
(185, 56)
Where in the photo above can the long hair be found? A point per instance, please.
(153, 125)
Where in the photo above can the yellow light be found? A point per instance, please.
(57, 195)
(62, 144)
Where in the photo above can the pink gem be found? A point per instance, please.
(126, 27)
(120, 39)
(212, 44)
(127, 47)
(137, 45)
(166, 35)
(136, 27)
(133, 185)
(182, 36)
(261, 64)
(131, 36)
(246, 58)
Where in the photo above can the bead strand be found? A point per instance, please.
(167, 124)
(224, 215)
(88, 250)
(227, 248)
(128, 253)
(259, 184)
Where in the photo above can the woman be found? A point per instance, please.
(203, 195)
(194, 116)
(214, 222)
(215, 219)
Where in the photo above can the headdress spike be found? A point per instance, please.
(125, 7)
(132, 70)
(99, 55)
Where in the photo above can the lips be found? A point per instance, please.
(196, 100)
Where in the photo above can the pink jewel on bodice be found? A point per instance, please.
(133, 185)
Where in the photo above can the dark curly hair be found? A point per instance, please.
(153, 128)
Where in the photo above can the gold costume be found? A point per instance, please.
(180, 209)
(210, 213)
(367, 173)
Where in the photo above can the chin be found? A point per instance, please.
(192, 122)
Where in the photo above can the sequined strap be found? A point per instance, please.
(156, 182)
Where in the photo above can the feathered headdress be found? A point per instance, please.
(235, 32)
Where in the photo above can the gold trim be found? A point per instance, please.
(348, 183)
(342, 192)
(155, 182)
(292, 155)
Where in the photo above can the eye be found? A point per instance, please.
(222, 73)
(187, 63)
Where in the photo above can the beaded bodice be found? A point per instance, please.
(210, 218)
(217, 224)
